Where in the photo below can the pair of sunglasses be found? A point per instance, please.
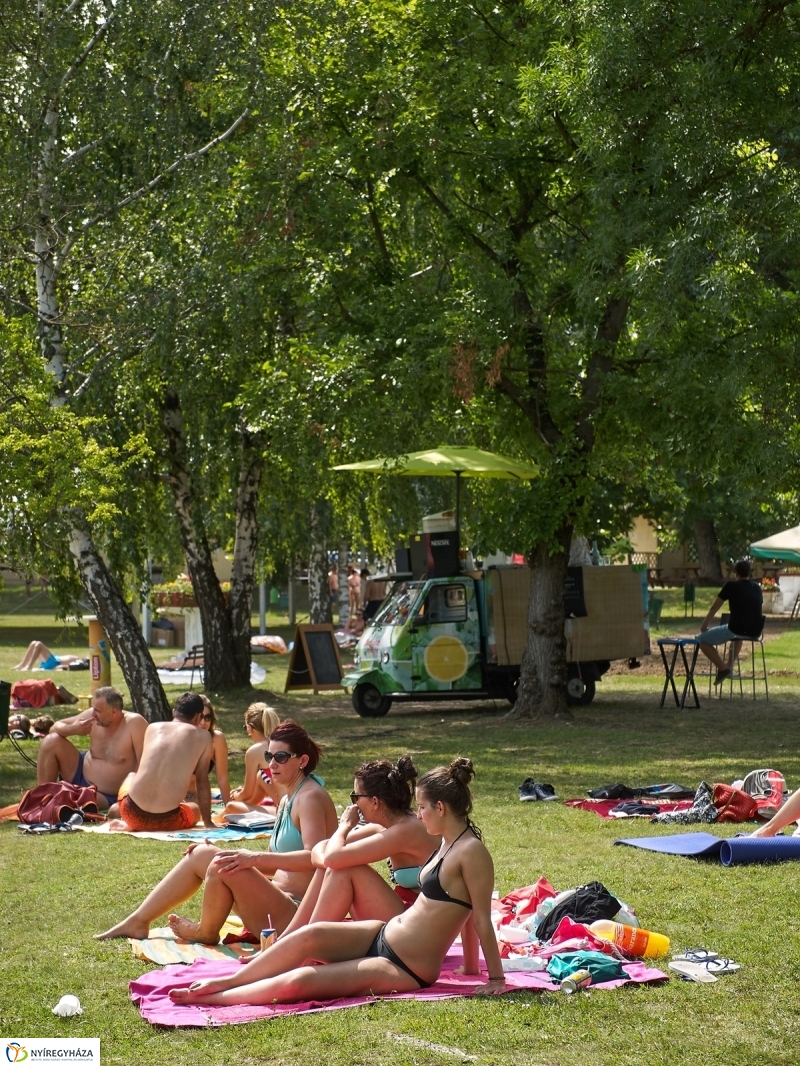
(357, 796)
(279, 757)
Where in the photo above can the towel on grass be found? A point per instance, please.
(604, 807)
(164, 949)
(150, 992)
(216, 836)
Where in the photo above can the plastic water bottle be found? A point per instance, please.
(640, 943)
(625, 916)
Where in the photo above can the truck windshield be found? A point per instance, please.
(396, 610)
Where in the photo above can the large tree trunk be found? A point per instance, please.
(319, 600)
(244, 552)
(127, 639)
(542, 689)
(220, 668)
(705, 537)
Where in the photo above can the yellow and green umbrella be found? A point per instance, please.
(449, 461)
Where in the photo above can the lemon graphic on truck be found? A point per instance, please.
(446, 659)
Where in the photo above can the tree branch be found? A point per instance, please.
(448, 213)
(73, 157)
(90, 47)
(145, 190)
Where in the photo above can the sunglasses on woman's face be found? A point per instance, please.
(206, 717)
(279, 757)
(354, 796)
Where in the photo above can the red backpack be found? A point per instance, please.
(57, 801)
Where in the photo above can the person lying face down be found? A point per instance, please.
(174, 755)
(328, 960)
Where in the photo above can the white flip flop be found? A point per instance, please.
(696, 955)
(694, 971)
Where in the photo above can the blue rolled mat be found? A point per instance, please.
(732, 851)
(692, 844)
(737, 851)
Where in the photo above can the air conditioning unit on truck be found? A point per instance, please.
(463, 636)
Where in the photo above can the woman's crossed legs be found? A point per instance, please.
(285, 973)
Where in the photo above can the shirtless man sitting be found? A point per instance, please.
(115, 747)
(151, 798)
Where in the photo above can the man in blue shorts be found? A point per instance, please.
(115, 736)
(746, 620)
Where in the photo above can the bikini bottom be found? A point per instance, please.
(379, 949)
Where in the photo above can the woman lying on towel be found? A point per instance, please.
(258, 884)
(344, 882)
(329, 960)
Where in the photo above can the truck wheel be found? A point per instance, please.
(580, 693)
(369, 702)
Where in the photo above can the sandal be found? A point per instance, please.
(721, 965)
(693, 971)
(696, 955)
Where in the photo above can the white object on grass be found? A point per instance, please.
(442, 1049)
(67, 1006)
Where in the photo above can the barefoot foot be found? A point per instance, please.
(197, 989)
(187, 930)
(136, 930)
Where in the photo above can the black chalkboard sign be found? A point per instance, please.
(315, 661)
(574, 603)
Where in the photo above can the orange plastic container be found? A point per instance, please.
(640, 943)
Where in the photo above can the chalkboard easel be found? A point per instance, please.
(315, 661)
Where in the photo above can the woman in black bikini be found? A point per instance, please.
(403, 954)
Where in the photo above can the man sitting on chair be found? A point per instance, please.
(746, 620)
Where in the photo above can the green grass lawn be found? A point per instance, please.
(56, 891)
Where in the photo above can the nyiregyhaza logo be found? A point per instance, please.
(54, 1049)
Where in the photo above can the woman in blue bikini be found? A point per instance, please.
(258, 884)
(328, 960)
(344, 882)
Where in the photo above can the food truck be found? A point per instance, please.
(461, 636)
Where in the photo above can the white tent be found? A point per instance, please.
(784, 546)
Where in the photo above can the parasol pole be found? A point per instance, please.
(458, 510)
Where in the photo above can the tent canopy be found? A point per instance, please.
(783, 546)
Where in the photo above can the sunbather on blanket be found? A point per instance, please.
(259, 884)
(151, 799)
(401, 955)
(39, 656)
(115, 747)
(344, 882)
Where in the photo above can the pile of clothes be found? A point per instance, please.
(540, 929)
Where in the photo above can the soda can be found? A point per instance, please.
(576, 981)
(267, 938)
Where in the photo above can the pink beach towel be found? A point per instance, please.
(150, 992)
(604, 807)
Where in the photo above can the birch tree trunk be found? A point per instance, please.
(244, 552)
(542, 688)
(319, 600)
(220, 671)
(124, 634)
(705, 537)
